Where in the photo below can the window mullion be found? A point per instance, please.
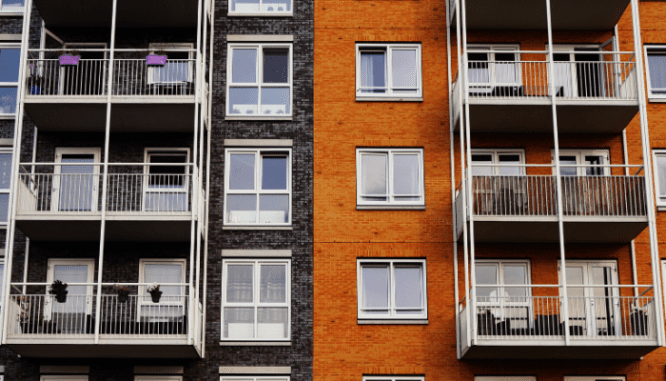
(392, 311)
(389, 71)
(260, 76)
(255, 292)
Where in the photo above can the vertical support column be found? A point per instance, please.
(558, 177)
(105, 172)
(16, 158)
(647, 162)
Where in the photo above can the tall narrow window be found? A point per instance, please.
(656, 71)
(5, 182)
(260, 80)
(388, 70)
(10, 55)
(258, 187)
(12, 5)
(660, 176)
(172, 303)
(256, 298)
(167, 181)
(392, 289)
(389, 176)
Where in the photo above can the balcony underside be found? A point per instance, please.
(107, 348)
(545, 229)
(555, 349)
(131, 14)
(118, 228)
(513, 116)
(169, 116)
(530, 14)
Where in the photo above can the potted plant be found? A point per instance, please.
(59, 289)
(122, 292)
(159, 58)
(34, 81)
(69, 57)
(155, 293)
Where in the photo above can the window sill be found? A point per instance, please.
(389, 99)
(255, 343)
(259, 227)
(260, 14)
(390, 207)
(11, 13)
(661, 208)
(7, 116)
(392, 322)
(259, 118)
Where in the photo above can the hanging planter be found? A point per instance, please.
(59, 289)
(122, 292)
(156, 60)
(155, 293)
(66, 59)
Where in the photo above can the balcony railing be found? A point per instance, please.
(611, 77)
(76, 189)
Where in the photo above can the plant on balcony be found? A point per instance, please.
(34, 81)
(69, 57)
(159, 58)
(122, 292)
(59, 289)
(155, 293)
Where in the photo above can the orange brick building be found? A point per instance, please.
(394, 126)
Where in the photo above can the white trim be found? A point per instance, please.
(263, 10)
(64, 378)
(158, 378)
(255, 370)
(580, 159)
(494, 49)
(256, 253)
(59, 151)
(258, 142)
(52, 262)
(388, 70)
(142, 290)
(661, 200)
(646, 49)
(391, 264)
(147, 189)
(259, 82)
(139, 369)
(594, 378)
(236, 378)
(393, 378)
(496, 153)
(10, 151)
(390, 196)
(259, 37)
(257, 191)
(256, 303)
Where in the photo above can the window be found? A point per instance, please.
(258, 187)
(388, 71)
(392, 289)
(10, 55)
(595, 378)
(660, 175)
(272, 378)
(494, 70)
(656, 71)
(256, 300)
(5, 182)
(158, 378)
(167, 184)
(504, 378)
(494, 158)
(12, 5)
(596, 158)
(392, 378)
(171, 307)
(389, 176)
(64, 378)
(179, 65)
(260, 80)
(254, 7)
(2, 279)
(499, 272)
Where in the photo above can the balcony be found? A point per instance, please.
(145, 98)
(130, 14)
(592, 96)
(529, 14)
(40, 326)
(61, 202)
(603, 209)
(533, 327)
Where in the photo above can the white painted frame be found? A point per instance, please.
(143, 298)
(646, 52)
(258, 152)
(148, 152)
(245, 378)
(256, 288)
(566, 49)
(661, 199)
(390, 152)
(480, 87)
(501, 304)
(158, 378)
(262, 12)
(504, 378)
(52, 262)
(64, 378)
(59, 151)
(580, 159)
(594, 378)
(392, 263)
(387, 49)
(259, 84)
(157, 46)
(10, 45)
(496, 153)
(7, 150)
(392, 378)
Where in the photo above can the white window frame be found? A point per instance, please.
(59, 151)
(393, 378)
(256, 289)
(52, 262)
(260, 78)
(594, 378)
(143, 298)
(661, 202)
(158, 378)
(258, 152)
(157, 46)
(263, 12)
(580, 159)
(9, 150)
(64, 378)
(481, 87)
(2, 263)
(245, 378)
(11, 10)
(387, 49)
(390, 152)
(498, 307)
(10, 45)
(148, 152)
(646, 52)
(496, 153)
(504, 378)
(392, 263)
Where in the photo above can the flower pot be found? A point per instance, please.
(155, 60)
(35, 90)
(61, 297)
(156, 295)
(69, 60)
(123, 297)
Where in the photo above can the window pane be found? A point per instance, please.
(373, 72)
(477, 64)
(4, 207)
(2, 277)
(5, 170)
(241, 171)
(515, 274)
(242, 209)
(273, 284)
(375, 288)
(373, 176)
(239, 283)
(7, 100)
(657, 71)
(276, 65)
(406, 176)
(509, 159)
(661, 174)
(404, 71)
(276, 6)
(482, 159)
(13, 5)
(274, 209)
(486, 274)
(274, 172)
(568, 160)
(243, 101)
(409, 288)
(9, 62)
(275, 101)
(239, 323)
(244, 61)
(272, 323)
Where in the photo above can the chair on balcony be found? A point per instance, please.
(548, 325)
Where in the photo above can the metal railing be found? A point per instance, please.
(133, 78)
(76, 189)
(88, 78)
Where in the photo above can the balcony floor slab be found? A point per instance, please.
(555, 349)
(127, 349)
